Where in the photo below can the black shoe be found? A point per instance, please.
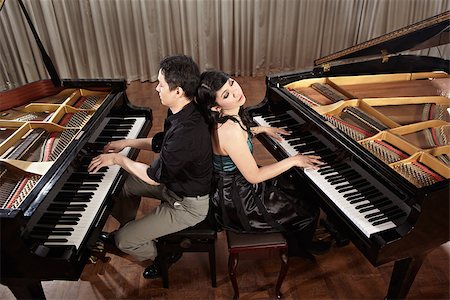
(154, 270)
(107, 238)
(318, 247)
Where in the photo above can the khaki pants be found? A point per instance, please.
(136, 237)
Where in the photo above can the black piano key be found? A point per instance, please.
(119, 131)
(362, 191)
(354, 184)
(370, 197)
(358, 187)
(342, 172)
(369, 194)
(118, 126)
(362, 199)
(332, 169)
(52, 228)
(108, 138)
(389, 217)
(366, 198)
(299, 134)
(60, 222)
(65, 209)
(325, 153)
(273, 115)
(351, 179)
(49, 232)
(383, 214)
(86, 179)
(379, 205)
(283, 122)
(339, 177)
(56, 240)
(67, 204)
(82, 186)
(377, 201)
(45, 239)
(302, 141)
(78, 199)
(113, 121)
(309, 146)
(380, 222)
(62, 215)
(392, 217)
(73, 193)
(101, 170)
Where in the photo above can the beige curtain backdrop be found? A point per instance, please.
(127, 38)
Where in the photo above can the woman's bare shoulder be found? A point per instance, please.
(229, 129)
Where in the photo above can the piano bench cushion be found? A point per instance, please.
(249, 242)
(238, 242)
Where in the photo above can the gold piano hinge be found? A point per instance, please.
(384, 56)
(326, 67)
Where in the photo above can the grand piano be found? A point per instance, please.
(51, 208)
(380, 121)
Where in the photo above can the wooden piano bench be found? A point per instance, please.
(245, 242)
(199, 238)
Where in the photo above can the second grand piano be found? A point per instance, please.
(382, 127)
(51, 208)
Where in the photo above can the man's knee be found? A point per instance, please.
(135, 246)
(130, 188)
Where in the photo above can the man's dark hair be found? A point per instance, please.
(181, 71)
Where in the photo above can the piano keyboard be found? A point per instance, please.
(364, 201)
(72, 212)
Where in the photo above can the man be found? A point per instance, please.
(180, 177)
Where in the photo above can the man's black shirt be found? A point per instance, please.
(185, 161)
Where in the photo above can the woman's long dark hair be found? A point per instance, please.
(210, 83)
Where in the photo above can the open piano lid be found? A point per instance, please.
(431, 32)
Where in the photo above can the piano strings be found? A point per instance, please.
(363, 124)
(355, 132)
(418, 174)
(428, 138)
(385, 151)
(41, 143)
(303, 98)
(21, 116)
(88, 102)
(330, 92)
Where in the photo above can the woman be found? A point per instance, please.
(249, 198)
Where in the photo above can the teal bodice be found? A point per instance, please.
(224, 163)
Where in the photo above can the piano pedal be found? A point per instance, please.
(98, 253)
(340, 238)
(322, 234)
(326, 236)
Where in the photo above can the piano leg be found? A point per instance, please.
(27, 290)
(403, 276)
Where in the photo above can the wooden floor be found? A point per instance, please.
(343, 273)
